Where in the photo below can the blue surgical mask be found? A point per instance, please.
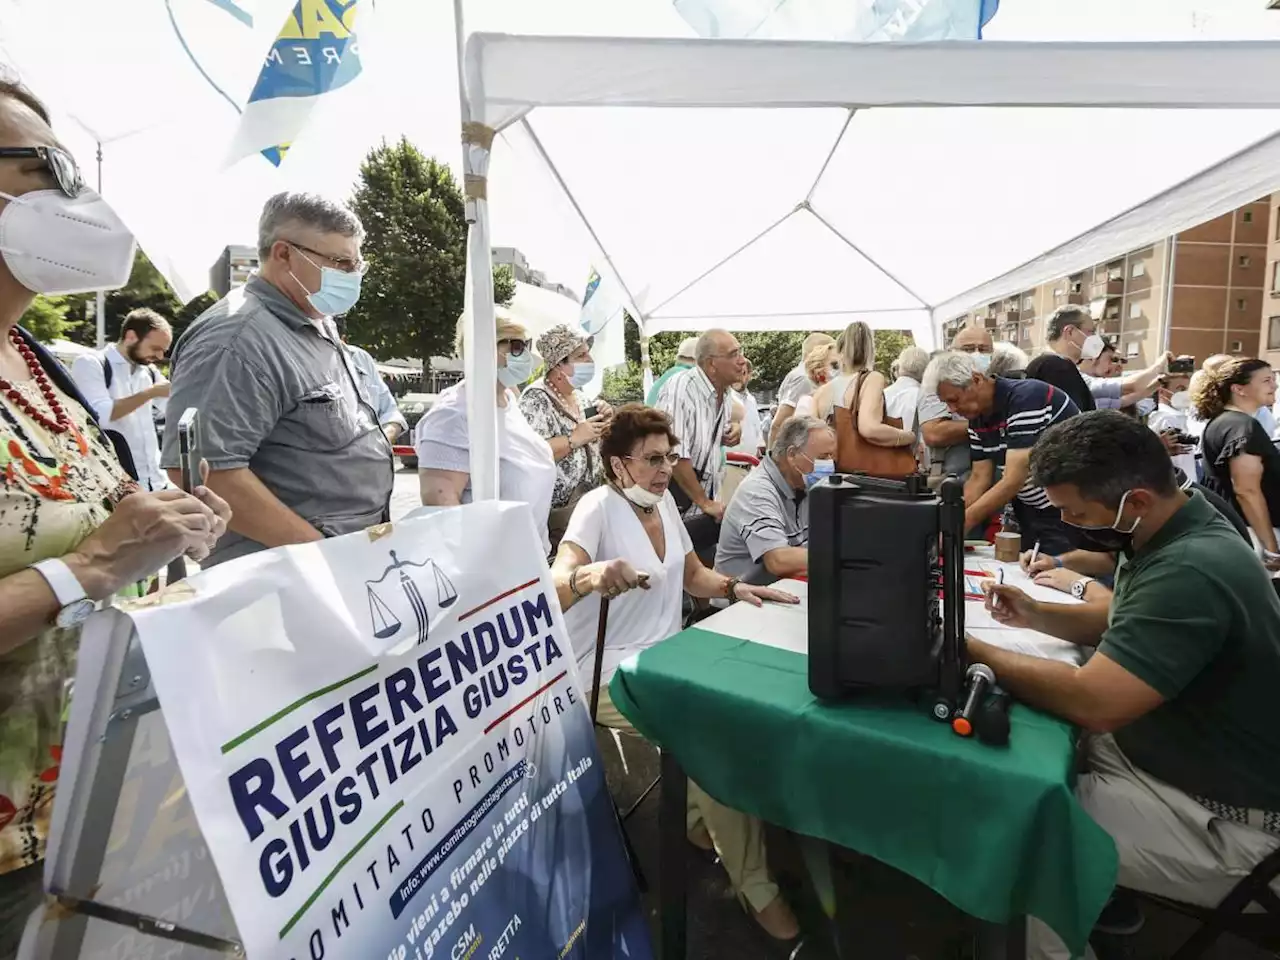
(981, 361)
(339, 290)
(1145, 407)
(821, 470)
(581, 374)
(517, 371)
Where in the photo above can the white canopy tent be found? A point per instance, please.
(785, 185)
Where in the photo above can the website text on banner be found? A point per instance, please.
(387, 748)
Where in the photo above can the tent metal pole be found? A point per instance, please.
(100, 298)
(577, 208)
(808, 197)
(480, 342)
(865, 256)
(1166, 308)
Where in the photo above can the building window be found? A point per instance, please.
(1248, 216)
(1237, 346)
(1273, 333)
(1275, 277)
(1058, 291)
(1115, 273)
(1135, 311)
(1240, 303)
(1028, 303)
(1075, 287)
(1243, 260)
(1131, 348)
(1138, 269)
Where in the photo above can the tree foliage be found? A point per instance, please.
(47, 319)
(416, 245)
(772, 353)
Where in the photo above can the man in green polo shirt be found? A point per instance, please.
(684, 360)
(1184, 762)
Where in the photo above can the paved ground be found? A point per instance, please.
(884, 915)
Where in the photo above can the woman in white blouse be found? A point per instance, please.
(626, 542)
(526, 467)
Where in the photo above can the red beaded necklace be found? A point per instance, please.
(60, 423)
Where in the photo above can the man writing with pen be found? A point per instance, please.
(1183, 765)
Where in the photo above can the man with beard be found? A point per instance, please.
(127, 393)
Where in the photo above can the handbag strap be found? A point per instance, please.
(601, 627)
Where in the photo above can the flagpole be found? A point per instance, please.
(100, 305)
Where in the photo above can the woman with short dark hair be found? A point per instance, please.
(627, 543)
(1243, 464)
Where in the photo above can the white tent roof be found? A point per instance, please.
(805, 185)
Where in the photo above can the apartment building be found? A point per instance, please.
(1205, 292)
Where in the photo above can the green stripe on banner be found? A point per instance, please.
(284, 931)
(284, 712)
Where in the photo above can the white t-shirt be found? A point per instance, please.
(900, 399)
(606, 527)
(1164, 417)
(752, 433)
(526, 466)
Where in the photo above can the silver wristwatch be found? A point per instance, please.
(1080, 586)
(76, 607)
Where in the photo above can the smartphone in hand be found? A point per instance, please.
(189, 448)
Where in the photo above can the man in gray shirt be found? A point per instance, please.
(291, 438)
(947, 434)
(765, 533)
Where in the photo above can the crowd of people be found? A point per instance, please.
(1152, 497)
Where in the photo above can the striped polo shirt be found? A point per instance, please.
(699, 419)
(1020, 412)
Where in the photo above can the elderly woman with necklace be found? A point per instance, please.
(74, 530)
(554, 408)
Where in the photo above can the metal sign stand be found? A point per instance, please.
(112, 696)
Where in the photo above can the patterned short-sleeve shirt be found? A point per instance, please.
(55, 490)
(549, 419)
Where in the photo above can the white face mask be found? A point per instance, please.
(1092, 347)
(642, 497)
(1180, 401)
(55, 244)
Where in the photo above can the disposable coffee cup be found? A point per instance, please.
(1008, 546)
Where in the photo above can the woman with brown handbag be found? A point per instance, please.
(853, 404)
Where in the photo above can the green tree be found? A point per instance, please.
(416, 245)
(47, 319)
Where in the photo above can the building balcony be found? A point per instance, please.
(1109, 288)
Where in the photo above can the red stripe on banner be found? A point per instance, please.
(542, 689)
(501, 596)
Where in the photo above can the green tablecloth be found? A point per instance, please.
(997, 831)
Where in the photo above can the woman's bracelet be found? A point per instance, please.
(730, 586)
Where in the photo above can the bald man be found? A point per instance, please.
(946, 434)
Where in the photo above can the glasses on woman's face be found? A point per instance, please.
(656, 461)
(66, 174)
(515, 346)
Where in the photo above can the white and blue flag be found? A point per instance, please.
(850, 20)
(602, 318)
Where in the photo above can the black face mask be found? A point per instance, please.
(1107, 539)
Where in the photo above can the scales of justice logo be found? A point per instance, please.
(403, 589)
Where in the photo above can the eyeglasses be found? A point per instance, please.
(515, 346)
(58, 162)
(655, 461)
(971, 348)
(344, 264)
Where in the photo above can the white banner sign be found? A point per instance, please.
(387, 748)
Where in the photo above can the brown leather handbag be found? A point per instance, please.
(856, 454)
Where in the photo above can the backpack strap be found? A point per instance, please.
(107, 372)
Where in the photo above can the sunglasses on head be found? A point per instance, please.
(56, 160)
(515, 346)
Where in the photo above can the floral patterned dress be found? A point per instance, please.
(55, 489)
(581, 470)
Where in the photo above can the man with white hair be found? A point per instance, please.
(765, 533)
(902, 396)
(684, 360)
(1005, 418)
(292, 441)
(796, 384)
(1100, 367)
(946, 435)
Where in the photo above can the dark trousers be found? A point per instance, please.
(1044, 527)
(20, 893)
(704, 531)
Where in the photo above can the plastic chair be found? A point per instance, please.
(1260, 928)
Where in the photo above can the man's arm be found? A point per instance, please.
(981, 475)
(685, 476)
(256, 512)
(92, 383)
(783, 562)
(1141, 383)
(1101, 696)
(1017, 467)
(1082, 623)
(945, 432)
